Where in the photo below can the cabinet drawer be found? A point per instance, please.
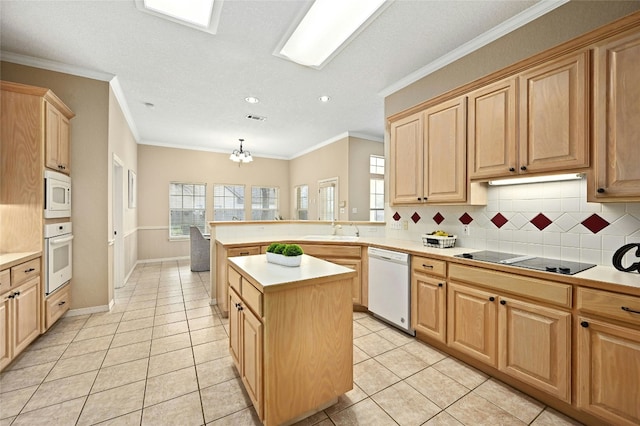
(5, 280)
(252, 297)
(234, 279)
(428, 266)
(56, 305)
(607, 304)
(24, 271)
(243, 251)
(328, 250)
(533, 288)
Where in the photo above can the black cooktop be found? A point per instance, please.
(530, 262)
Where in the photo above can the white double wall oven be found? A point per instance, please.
(58, 237)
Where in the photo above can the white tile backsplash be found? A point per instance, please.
(564, 203)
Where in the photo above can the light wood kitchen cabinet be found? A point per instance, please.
(535, 345)
(428, 297)
(608, 339)
(616, 175)
(56, 305)
(57, 139)
(471, 322)
(428, 155)
(312, 315)
(19, 309)
(222, 253)
(406, 160)
(492, 139)
(528, 340)
(554, 115)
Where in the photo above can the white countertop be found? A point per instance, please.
(598, 277)
(269, 274)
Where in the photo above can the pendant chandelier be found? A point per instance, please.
(240, 155)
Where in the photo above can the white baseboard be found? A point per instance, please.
(213, 301)
(87, 311)
(162, 259)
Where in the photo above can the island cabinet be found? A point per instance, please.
(19, 309)
(221, 255)
(517, 324)
(291, 334)
(428, 297)
(608, 361)
(616, 174)
(428, 155)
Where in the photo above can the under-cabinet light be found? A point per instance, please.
(536, 179)
(327, 25)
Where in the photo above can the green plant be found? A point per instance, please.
(278, 249)
(272, 247)
(292, 250)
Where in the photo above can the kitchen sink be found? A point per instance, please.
(330, 238)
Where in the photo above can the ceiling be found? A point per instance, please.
(198, 82)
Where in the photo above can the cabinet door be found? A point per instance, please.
(252, 358)
(608, 371)
(428, 307)
(52, 136)
(5, 331)
(406, 160)
(26, 307)
(492, 131)
(472, 321)
(616, 130)
(445, 152)
(356, 286)
(63, 146)
(535, 346)
(234, 329)
(554, 115)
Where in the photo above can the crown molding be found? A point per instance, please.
(124, 107)
(47, 64)
(511, 24)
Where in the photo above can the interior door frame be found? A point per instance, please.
(117, 221)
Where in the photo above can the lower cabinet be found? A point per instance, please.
(528, 341)
(222, 253)
(608, 356)
(56, 305)
(428, 297)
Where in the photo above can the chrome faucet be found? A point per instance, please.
(357, 230)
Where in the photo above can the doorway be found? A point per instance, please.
(117, 192)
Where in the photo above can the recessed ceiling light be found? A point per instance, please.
(252, 100)
(324, 98)
(200, 14)
(327, 26)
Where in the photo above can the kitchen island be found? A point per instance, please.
(291, 334)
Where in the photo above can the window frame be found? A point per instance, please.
(244, 202)
(375, 176)
(184, 236)
(275, 210)
(297, 199)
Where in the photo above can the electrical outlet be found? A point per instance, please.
(466, 229)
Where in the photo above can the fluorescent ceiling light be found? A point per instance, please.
(203, 15)
(326, 27)
(536, 179)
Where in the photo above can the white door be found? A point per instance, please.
(118, 223)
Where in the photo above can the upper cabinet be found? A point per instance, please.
(554, 115)
(56, 139)
(427, 155)
(551, 102)
(616, 174)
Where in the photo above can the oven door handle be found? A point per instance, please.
(61, 240)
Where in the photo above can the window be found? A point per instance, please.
(376, 188)
(264, 203)
(328, 199)
(187, 206)
(302, 202)
(228, 202)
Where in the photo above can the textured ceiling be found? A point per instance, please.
(198, 81)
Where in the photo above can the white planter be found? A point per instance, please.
(280, 259)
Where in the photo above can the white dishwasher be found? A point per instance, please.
(390, 287)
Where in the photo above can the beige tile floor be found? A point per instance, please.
(160, 357)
